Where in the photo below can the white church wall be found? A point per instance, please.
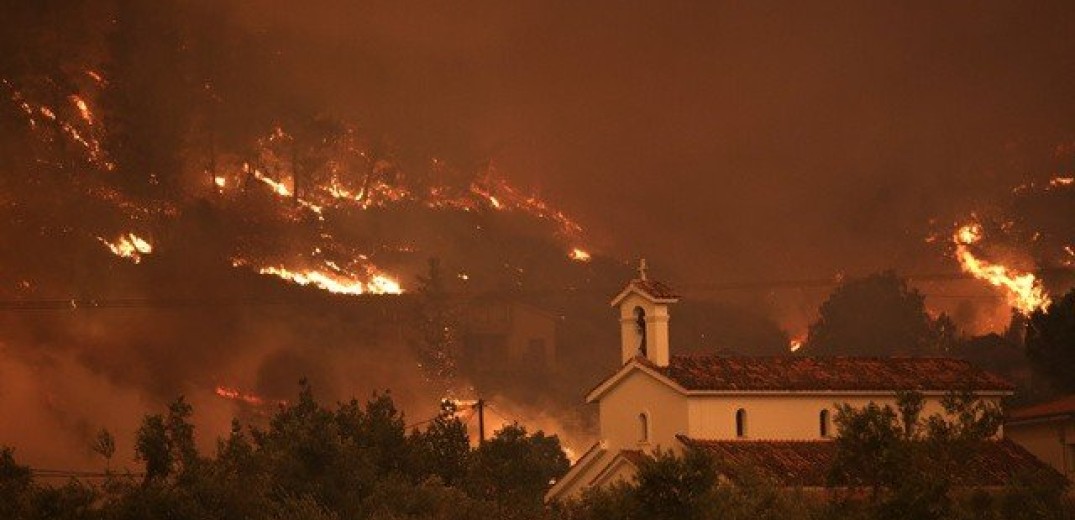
(638, 393)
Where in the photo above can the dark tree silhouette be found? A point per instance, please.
(878, 315)
(1050, 342)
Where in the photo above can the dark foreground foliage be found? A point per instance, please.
(309, 463)
(359, 461)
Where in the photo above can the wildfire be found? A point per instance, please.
(277, 187)
(129, 246)
(795, 344)
(336, 283)
(579, 255)
(235, 394)
(1057, 182)
(1024, 291)
(83, 109)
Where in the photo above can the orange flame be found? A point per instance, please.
(579, 255)
(235, 394)
(1024, 291)
(336, 283)
(129, 246)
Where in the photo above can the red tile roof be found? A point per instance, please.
(655, 289)
(828, 373)
(807, 463)
(1056, 408)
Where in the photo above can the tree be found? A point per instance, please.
(104, 444)
(443, 449)
(515, 467)
(675, 488)
(15, 484)
(166, 443)
(1050, 342)
(878, 315)
(910, 473)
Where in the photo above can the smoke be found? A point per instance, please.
(754, 156)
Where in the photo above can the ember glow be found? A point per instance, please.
(129, 246)
(1023, 290)
(579, 255)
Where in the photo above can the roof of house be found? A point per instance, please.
(794, 373)
(807, 463)
(1056, 408)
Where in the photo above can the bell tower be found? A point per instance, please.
(643, 307)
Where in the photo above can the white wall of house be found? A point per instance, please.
(1052, 441)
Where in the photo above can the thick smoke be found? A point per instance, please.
(755, 156)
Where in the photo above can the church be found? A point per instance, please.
(773, 413)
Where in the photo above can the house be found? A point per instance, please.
(506, 334)
(1048, 431)
(775, 413)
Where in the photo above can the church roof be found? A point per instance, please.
(807, 463)
(795, 373)
(1064, 406)
(651, 289)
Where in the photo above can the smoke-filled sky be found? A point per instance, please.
(728, 141)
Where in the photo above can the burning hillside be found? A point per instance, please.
(244, 255)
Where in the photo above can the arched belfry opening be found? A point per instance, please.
(643, 307)
(640, 329)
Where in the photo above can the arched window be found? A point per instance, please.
(643, 427)
(640, 328)
(824, 426)
(740, 423)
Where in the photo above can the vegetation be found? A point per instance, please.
(309, 462)
(878, 315)
(1050, 342)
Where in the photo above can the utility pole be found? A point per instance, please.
(481, 421)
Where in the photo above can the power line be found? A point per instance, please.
(72, 304)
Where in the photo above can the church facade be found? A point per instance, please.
(773, 412)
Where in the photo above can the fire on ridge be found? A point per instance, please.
(1024, 291)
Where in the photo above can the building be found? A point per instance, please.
(775, 413)
(508, 335)
(1048, 431)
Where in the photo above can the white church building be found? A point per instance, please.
(774, 413)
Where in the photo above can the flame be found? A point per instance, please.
(83, 108)
(277, 187)
(336, 283)
(129, 246)
(1057, 182)
(795, 344)
(579, 255)
(220, 182)
(1024, 291)
(235, 394)
(282, 190)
